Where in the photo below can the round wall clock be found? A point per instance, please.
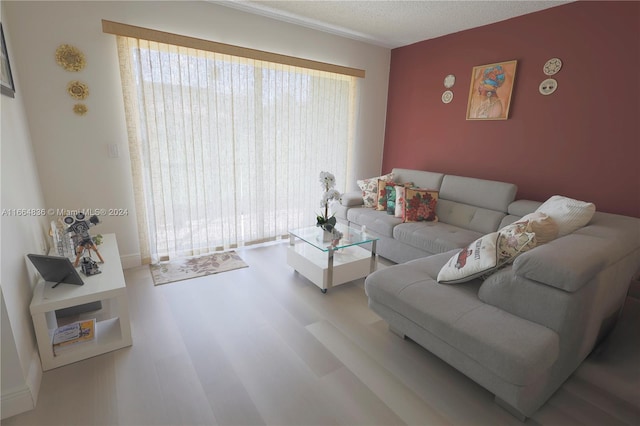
(447, 97)
(449, 81)
(552, 66)
(548, 86)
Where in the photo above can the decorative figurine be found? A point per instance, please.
(80, 227)
(89, 266)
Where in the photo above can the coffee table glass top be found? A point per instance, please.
(351, 237)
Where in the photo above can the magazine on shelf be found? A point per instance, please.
(77, 332)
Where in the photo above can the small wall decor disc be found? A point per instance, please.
(70, 58)
(449, 81)
(78, 90)
(552, 66)
(447, 97)
(548, 86)
(80, 109)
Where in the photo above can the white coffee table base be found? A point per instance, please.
(332, 268)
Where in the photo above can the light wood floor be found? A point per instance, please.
(262, 345)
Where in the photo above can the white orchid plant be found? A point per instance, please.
(330, 194)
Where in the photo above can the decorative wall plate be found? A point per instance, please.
(80, 109)
(70, 58)
(552, 66)
(447, 96)
(78, 90)
(548, 86)
(449, 81)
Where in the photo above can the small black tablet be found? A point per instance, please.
(56, 269)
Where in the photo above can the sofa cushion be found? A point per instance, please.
(487, 194)
(369, 189)
(537, 302)
(468, 217)
(434, 237)
(569, 214)
(420, 179)
(351, 199)
(523, 207)
(376, 221)
(518, 209)
(517, 350)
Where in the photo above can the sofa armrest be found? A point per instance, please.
(566, 263)
(352, 199)
(571, 261)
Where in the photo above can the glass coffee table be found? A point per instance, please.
(330, 263)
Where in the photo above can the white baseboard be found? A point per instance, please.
(22, 399)
(16, 401)
(131, 260)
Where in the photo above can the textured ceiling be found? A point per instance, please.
(390, 23)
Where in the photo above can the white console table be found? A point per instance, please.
(113, 330)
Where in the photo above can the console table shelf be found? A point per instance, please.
(113, 330)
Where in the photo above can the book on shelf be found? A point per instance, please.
(71, 334)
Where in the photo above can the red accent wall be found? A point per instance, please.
(583, 141)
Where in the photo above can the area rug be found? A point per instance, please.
(193, 267)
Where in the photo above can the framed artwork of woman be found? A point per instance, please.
(490, 91)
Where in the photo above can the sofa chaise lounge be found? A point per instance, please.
(524, 329)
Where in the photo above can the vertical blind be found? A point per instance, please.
(225, 150)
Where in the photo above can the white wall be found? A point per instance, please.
(52, 158)
(71, 151)
(20, 189)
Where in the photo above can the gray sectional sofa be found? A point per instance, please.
(521, 332)
(467, 209)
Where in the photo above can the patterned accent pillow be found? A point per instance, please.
(545, 228)
(386, 194)
(391, 198)
(400, 194)
(473, 261)
(381, 202)
(369, 189)
(420, 205)
(488, 253)
(514, 240)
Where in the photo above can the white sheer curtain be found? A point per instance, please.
(226, 151)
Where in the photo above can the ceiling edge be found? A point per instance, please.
(295, 19)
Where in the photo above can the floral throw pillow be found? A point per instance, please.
(383, 193)
(400, 194)
(420, 205)
(387, 193)
(545, 228)
(369, 189)
(514, 240)
(390, 189)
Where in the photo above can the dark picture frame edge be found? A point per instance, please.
(7, 86)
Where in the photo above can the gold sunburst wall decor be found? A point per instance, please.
(70, 58)
(80, 109)
(78, 90)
